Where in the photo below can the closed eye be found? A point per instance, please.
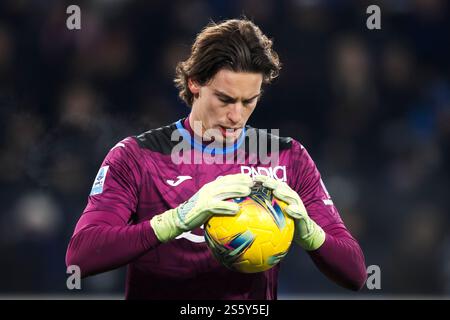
(249, 101)
(226, 100)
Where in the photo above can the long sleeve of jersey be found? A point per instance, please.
(340, 257)
(103, 238)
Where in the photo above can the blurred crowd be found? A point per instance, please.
(371, 106)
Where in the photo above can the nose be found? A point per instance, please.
(235, 112)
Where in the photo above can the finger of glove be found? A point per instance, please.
(224, 207)
(260, 178)
(296, 212)
(238, 178)
(266, 181)
(286, 196)
(231, 191)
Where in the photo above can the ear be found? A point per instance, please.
(194, 87)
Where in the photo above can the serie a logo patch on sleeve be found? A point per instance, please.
(99, 181)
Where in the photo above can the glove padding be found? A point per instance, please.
(208, 201)
(308, 234)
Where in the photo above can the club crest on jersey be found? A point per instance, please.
(99, 181)
(277, 173)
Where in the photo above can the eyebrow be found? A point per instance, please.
(224, 95)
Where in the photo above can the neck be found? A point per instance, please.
(193, 129)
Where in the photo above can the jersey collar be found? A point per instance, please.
(186, 131)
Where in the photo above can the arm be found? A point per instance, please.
(103, 240)
(318, 227)
(102, 244)
(339, 257)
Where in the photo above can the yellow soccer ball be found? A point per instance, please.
(256, 238)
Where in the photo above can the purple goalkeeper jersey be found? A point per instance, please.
(142, 176)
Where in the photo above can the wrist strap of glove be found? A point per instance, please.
(309, 235)
(164, 225)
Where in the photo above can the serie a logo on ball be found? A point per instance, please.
(255, 239)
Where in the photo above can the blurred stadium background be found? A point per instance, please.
(372, 107)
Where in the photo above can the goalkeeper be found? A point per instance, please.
(146, 209)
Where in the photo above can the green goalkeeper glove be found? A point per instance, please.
(308, 234)
(208, 201)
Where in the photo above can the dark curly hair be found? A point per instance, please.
(237, 45)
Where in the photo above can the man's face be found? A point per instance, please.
(224, 104)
